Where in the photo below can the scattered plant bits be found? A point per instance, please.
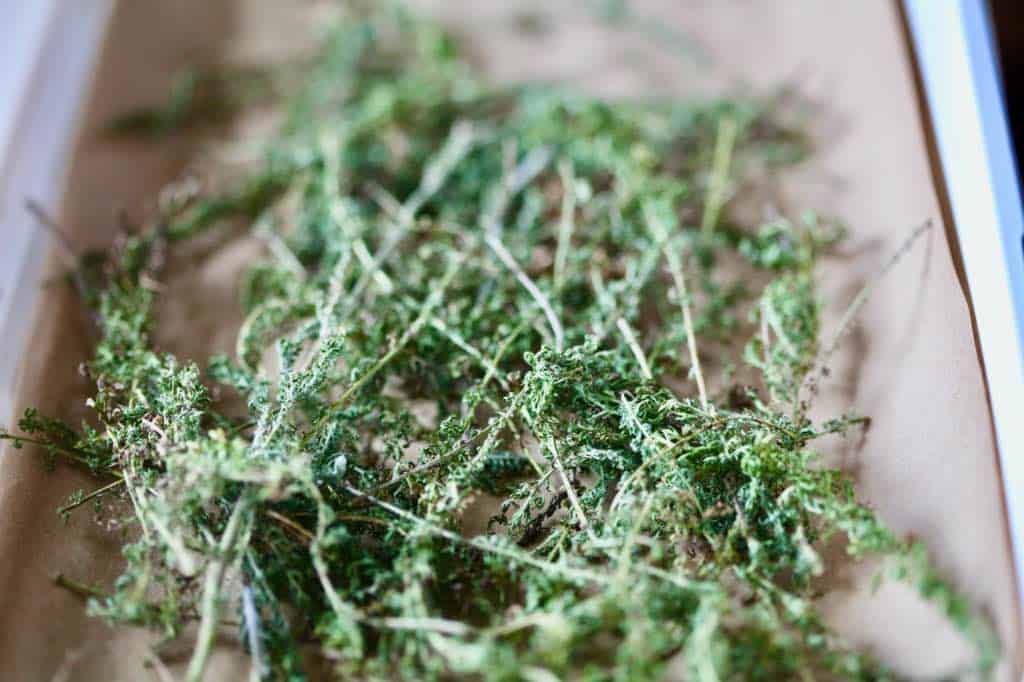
(518, 299)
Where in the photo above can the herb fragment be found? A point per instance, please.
(539, 271)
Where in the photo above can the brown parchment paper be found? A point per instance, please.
(928, 463)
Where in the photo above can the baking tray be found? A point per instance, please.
(958, 63)
(59, 44)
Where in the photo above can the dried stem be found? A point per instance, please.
(724, 143)
(634, 345)
(675, 267)
(94, 494)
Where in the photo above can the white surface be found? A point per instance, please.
(47, 53)
(955, 51)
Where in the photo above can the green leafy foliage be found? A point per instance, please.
(477, 309)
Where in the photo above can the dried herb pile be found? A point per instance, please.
(517, 304)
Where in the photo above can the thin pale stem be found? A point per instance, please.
(531, 287)
(67, 250)
(253, 634)
(516, 178)
(724, 143)
(675, 266)
(482, 543)
(556, 459)
(851, 312)
(210, 605)
(567, 222)
(94, 494)
(634, 346)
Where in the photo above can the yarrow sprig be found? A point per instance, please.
(496, 423)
